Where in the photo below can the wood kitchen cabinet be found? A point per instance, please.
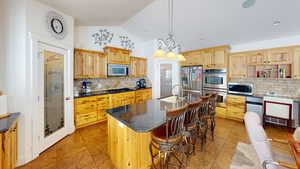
(122, 99)
(238, 65)
(89, 64)
(236, 107)
(257, 57)
(117, 55)
(143, 95)
(9, 148)
(210, 58)
(192, 58)
(296, 62)
(138, 67)
(279, 56)
(90, 110)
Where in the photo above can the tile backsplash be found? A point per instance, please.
(284, 87)
(111, 83)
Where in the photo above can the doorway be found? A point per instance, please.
(54, 102)
(165, 80)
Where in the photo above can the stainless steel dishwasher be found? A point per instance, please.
(255, 104)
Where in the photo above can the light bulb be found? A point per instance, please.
(159, 54)
(171, 55)
(181, 57)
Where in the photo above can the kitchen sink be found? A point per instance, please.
(172, 99)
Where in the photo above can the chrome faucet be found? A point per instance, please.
(180, 92)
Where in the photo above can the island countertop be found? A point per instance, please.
(148, 115)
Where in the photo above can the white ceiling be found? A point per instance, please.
(199, 23)
(206, 23)
(99, 12)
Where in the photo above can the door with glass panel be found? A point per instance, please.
(53, 98)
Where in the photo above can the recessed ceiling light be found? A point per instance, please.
(276, 22)
(202, 39)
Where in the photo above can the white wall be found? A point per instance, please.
(265, 44)
(22, 17)
(2, 46)
(84, 39)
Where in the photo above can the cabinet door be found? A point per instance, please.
(195, 58)
(78, 65)
(220, 58)
(14, 145)
(296, 63)
(88, 65)
(257, 57)
(100, 66)
(125, 57)
(279, 56)
(142, 67)
(238, 66)
(207, 58)
(133, 66)
(7, 153)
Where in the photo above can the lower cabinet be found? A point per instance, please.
(9, 150)
(235, 110)
(92, 110)
(143, 95)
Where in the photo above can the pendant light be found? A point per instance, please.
(168, 48)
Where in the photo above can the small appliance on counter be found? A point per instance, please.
(86, 86)
(141, 84)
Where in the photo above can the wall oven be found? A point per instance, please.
(215, 79)
(117, 70)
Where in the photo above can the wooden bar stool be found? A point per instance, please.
(168, 139)
(190, 123)
(203, 115)
(212, 113)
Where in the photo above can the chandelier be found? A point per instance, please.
(168, 48)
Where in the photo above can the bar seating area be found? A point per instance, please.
(173, 142)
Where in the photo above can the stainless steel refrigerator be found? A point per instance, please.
(192, 78)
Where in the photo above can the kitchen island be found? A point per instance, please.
(129, 130)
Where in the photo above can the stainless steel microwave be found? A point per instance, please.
(117, 70)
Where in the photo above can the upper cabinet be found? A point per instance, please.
(279, 55)
(296, 62)
(117, 55)
(220, 57)
(89, 64)
(192, 58)
(210, 58)
(138, 67)
(257, 57)
(238, 65)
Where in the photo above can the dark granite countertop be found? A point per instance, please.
(104, 92)
(148, 115)
(7, 122)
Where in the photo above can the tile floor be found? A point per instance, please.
(87, 148)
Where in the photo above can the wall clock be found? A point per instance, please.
(56, 25)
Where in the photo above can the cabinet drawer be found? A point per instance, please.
(87, 100)
(86, 118)
(85, 108)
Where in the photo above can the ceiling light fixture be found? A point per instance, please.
(276, 22)
(248, 3)
(168, 48)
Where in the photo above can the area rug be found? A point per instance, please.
(245, 158)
